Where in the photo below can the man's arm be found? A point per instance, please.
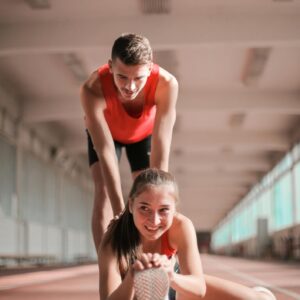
(93, 105)
(166, 98)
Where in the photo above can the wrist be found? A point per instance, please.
(129, 277)
(131, 271)
(172, 276)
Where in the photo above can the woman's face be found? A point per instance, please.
(153, 211)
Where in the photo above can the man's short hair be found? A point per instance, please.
(132, 49)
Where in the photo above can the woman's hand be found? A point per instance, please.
(154, 260)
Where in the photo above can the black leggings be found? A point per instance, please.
(138, 153)
(172, 293)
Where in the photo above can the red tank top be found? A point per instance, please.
(166, 249)
(123, 127)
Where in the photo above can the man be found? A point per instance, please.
(129, 102)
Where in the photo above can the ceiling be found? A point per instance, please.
(237, 63)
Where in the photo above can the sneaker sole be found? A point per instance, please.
(151, 284)
(265, 291)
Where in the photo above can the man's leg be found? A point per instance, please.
(138, 155)
(102, 212)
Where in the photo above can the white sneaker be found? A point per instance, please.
(151, 284)
(265, 291)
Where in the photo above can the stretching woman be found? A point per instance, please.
(137, 255)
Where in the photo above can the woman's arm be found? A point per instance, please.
(111, 285)
(190, 282)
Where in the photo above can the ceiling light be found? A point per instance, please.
(155, 6)
(75, 65)
(237, 120)
(283, 0)
(38, 4)
(255, 65)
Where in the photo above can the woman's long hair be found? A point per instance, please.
(122, 234)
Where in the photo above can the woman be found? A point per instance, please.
(139, 248)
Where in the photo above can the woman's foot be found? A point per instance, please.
(268, 295)
(151, 284)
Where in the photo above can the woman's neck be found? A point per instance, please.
(151, 246)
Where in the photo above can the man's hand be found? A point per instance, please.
(114, 219)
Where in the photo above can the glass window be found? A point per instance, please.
(253, 217)
(51, 194)
(221, 237)
(297, 190)
(32, 194)
(7, 177)
(282, 202)
(264, 207)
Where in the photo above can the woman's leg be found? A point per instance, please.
(221, 289)
(218, 288)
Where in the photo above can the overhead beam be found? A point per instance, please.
(245, 179)
(262, 141)
(56, 108)
(211, 166)
(223, 29)
(208, 191)
(205, 222)
(61, 107)
(211, 205)
(243, 139)
(242, 177)
(246, 102)
(228, 161)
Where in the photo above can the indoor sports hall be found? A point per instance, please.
(235, 149)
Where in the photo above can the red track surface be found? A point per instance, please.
(81, 283)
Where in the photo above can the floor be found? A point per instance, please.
(283, 278)
(81, 283)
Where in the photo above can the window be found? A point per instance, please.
(7, 178)
(297, 190)
(282, 202)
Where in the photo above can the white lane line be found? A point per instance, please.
(258, 281)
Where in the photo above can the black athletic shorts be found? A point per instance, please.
(138, 153)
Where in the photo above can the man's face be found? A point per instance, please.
(129, 79)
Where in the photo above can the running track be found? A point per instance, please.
(81, 283)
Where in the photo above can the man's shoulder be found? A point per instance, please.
(93, 84)
(93, 79)
(166, 80)
(167, 87)
(95, 76)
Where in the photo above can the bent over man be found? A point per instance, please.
(130, 103)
